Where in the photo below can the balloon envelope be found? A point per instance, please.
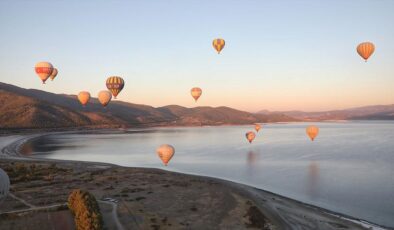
(84, 97)
(218, 44)
(365, 49)
(53, 74)
(257, 127)
(4, 185)
(196, 93)
(104, 97)
(115, 84)
(312, 131)
(43, 70)
(165, 152)
(250, 136)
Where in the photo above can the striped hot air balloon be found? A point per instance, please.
(165, 152)
(43, 70)
(218, 44)
(196, 93)
(115, 84)
(365, 49)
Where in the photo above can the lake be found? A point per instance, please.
(349, 168)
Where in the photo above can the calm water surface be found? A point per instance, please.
(349, 168)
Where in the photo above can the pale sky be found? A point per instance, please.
(279, 55)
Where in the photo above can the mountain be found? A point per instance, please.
(219, 116)
(31, 108)
(374, 112)
(22, 112)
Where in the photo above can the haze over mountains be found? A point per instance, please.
(374, 112)
(30, 108)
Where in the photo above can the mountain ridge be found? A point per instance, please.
(371, 112)
(32, 108)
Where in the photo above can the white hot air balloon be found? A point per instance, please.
(4, 185)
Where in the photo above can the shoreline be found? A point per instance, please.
(283, 212)
(16, 131)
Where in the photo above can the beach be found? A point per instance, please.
(148, 198)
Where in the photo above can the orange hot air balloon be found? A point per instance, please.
(165, 152)
(115, 85)
(104, 97)
(312, 131)
(196, 93)
(365, 49)
(257, 127)
(53, 74)
(84, 97)
(218, 44)
(43, 70)
(250, 136)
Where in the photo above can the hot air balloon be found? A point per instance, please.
(365, 49)
(257, 127)
(218, 44)
(250, 136)
(53, 74)
(196, 93)
(312, 131)
(84, 97)
(43, 70)
(115, 85)
(104, 97)
(4, 185)
(165, 152)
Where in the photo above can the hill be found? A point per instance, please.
(31, 108)
(219, 116)
(374, 112)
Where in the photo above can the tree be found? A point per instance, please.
(85, 209)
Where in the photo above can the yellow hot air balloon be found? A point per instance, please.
(84, 97)
(196, 93)
(250, 136)
(218, 44)
(43, 70)
(165, 152)
(312, 131)
(257, 127)
(365, 49)
(104, 97)
(115, 85)
(53, 74)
